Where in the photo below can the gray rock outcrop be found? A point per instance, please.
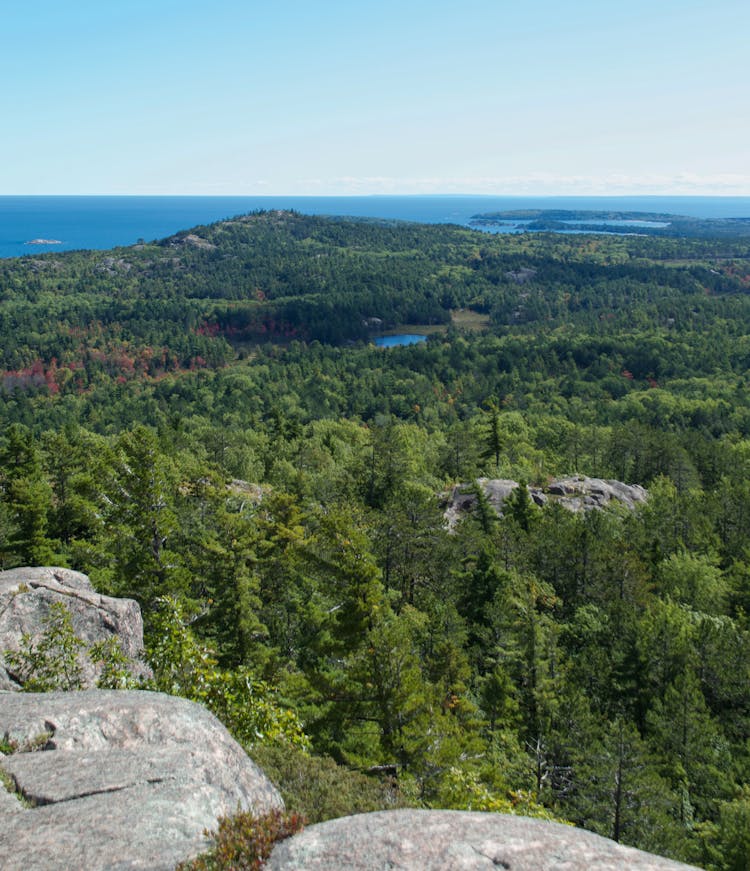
(415, 840)
(575, 492)
(120, 780)
(26, 596)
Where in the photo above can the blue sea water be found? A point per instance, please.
(104, 222)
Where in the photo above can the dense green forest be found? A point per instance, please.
(205, 418)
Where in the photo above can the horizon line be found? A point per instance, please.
(447, 194)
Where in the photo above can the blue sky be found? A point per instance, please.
(328, 97)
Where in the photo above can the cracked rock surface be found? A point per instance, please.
(121, 780)
(415, 840)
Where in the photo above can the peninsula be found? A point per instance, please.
(614, 222)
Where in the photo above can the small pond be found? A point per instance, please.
(399, 339)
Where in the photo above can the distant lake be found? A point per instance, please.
(105, 222)
(399, 339)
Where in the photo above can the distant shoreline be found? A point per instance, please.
(611, 222)
(85, 223)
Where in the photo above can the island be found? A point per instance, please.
(614, 222)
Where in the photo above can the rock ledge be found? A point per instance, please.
(123, 780)
(415, 840)
(576, 493)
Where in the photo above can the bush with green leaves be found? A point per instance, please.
(462, 789)
(725, 844)
(115, 673)
(184, 667)
(54, 660)
(320, 789)
(181, 665)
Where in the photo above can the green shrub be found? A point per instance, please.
(115, 671)
(9, 746)
(320, 789)
(724, 845)
(245, 705)
(54, 661)
(244, 841)
(464, 790)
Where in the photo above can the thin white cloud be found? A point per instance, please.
(549, 184)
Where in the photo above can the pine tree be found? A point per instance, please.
(27, 497)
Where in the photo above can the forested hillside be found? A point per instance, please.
(204, 418)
